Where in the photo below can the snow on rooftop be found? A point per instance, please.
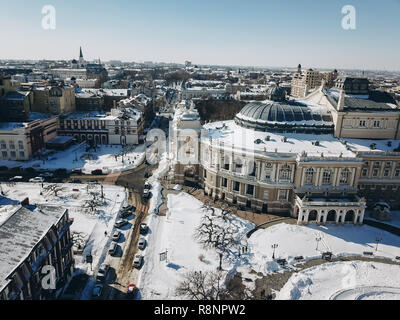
(8, 126)
(233, 135)
(21, 232)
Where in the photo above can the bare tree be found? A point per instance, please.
(199, 285)
(216, 232)
(95, 202)
(53, 188)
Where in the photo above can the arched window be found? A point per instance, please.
(309, 176)
(238, 165)
(284, 173)
(344, 176)
(226, 162)
(326, 176)
(251, 168)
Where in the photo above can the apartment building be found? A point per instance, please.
(31, 238)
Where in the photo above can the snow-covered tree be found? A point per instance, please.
(216, 232)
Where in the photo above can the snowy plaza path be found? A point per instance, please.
(365, 293)
(295, 240)
(174, 233)
(344, 281)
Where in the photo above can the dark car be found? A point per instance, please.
(143, 228)
(97, 172)
(125, 213)
(102, 272)
(76, 181)
(129, 207)
(121, 223)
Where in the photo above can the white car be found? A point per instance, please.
(37, 179)
(137, 262)
(142, 243)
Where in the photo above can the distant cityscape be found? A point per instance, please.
(142, 181)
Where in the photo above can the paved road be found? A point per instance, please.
(122, 271)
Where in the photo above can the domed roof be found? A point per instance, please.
(288, 114)
(276, 93)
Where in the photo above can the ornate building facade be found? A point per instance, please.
(281, 156)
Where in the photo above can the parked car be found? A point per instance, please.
(97, 291)
(125, 214)
(93, 181)
(36, 180)
(76, 181)
(116, 236)
(143, 228)
(146, 193)
(46, 175)
(137, 261)
(97, 172)
(113, 248)
(121, 223)
(16, 179)
(131, 289)
(147, 186)
(76, 171)
(142, 243)
(102, 272)
(129, 207)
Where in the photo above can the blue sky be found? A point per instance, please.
(228, 32)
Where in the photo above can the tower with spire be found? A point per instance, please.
(81, 60)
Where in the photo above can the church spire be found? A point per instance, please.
(80, 52)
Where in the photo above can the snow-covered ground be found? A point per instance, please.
(174, 234)
(89, 225)
(76, 157)
(294, 240)
(344, 280)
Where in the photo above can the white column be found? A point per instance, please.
(338, 214)
(316, 181)
(337, 183)
(335, 174)
(303, 173)
(259, 164)
(362, 216)
(352, 177)
(300, 216)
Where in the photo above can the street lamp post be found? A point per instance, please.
(377, 242)
(274, 246)
(318, 239)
